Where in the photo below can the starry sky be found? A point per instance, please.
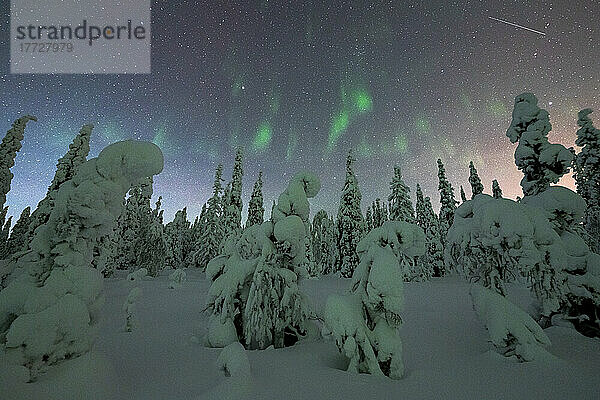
(299, 83)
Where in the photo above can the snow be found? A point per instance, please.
(446, 354)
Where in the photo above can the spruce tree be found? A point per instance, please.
(151, 246)
(213, 232)
(232, 199)
(496, 191)
(401, 208)
(65, 170)
(432, 262)
(350, 222)
(475, 181)
(4, 233)
(541, 162)
(463, 196)
(369, 219)
(11, 144)
(447, 201)
(324, 246)
(18, 236)
(256, 210)
(587, 175)
(178, 236)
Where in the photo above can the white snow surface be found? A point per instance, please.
(446, 354)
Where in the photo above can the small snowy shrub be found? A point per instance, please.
(233, 360)
(177, 278)
(137, 275)
(365, 324)
(129, 308)
(512, 331)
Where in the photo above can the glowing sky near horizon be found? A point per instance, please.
(298, 84)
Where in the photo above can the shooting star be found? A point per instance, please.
(518, 26)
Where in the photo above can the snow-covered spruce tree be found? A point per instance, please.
(475, 181)
(570, 283)
(131, 226)
(178, 237)
(212, 230)
(50, 305)
(4, 233)
(65, 170)
(18, 236)
(401, 208)
(587, 176)
(350, 222)
(493, 241)
(369, 219)
(431, 263)
(378, 217)
(232, 200)
(256, 210)
(151, 247)
(463, 196)
(496, 191)
(11, 144)
(254, 297)
(323, 233)
(447, 203)
(365, 323)
(541, 162)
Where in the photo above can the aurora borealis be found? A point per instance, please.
(297, 84)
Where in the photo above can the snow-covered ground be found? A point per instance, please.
(446, 354)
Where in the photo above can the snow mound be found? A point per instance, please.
(177, 278)
(512, 331)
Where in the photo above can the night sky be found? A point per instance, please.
(299, 83)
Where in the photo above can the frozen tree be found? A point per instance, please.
(232, 200)
(254, 296)
(177, 279)
(541, 162)
(212, 231)
(151, 247)
(65, 169)
(365, 323)
(512, 331)
(178, 236)
(323, 233)
(18, 236)
(129, 309)
(132, 227)
(401, 208)
(4, 233)
(11, 144)
(587, 176)
(52, 298)
(463, 196)
(447, 201)
(431, 263)
(496, 191)
(475, 181)
(369, 219)
(378, 213)
(350, 222)
(256, 209)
